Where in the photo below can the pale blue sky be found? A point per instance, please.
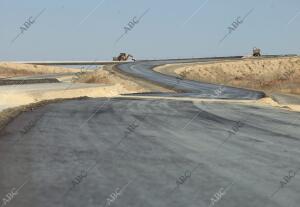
(79, 30)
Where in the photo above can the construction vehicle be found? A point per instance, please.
(256, 52)
(123, 57)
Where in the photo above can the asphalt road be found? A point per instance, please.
(131, 152)
(143, 69)
(125, 152)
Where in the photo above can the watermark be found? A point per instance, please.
(27, 25)
(113, 196)
(84, 173)
(78, 75)
(219, 91)
(30, 125)
(235, 24)
(78, 179)
(93, 114)
(11, 195)
(218, 196)
(179, 78)
(287, 74)
(91, 12)
(131, 128)
(182, 179)
(285, 180)
(195, 12)
(293, 18)
(116, 194)
(187, 124)
(236, 128)
(131, 24)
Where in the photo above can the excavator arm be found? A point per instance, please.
(123, 57)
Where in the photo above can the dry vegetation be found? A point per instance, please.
(108, 75)
(15, 70)
(276, 74)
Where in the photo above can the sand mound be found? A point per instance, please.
(99, 83)
(108, 75)
(275, 74)
(14, 70)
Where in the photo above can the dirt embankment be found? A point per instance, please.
(9, 114)
(108, 75)
(270, 75)
(8, 70)
(99, 83)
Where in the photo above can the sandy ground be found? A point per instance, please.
(278, 77)
(109, 75)
(105, 82)
(15, 99)
(14, 70)
(270, 75)
(100, 83)
(268, 132)
(25, 94)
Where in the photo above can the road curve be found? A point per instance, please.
(150, 153)
(130, 152)
(143, 69)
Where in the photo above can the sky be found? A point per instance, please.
(89, 30)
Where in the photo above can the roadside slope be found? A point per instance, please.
(281, 74)
(8, 70)
(143, 70)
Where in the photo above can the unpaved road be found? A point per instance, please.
(140, 148)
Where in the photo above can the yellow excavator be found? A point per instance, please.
(123, 57)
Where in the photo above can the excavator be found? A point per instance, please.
(123, 57)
